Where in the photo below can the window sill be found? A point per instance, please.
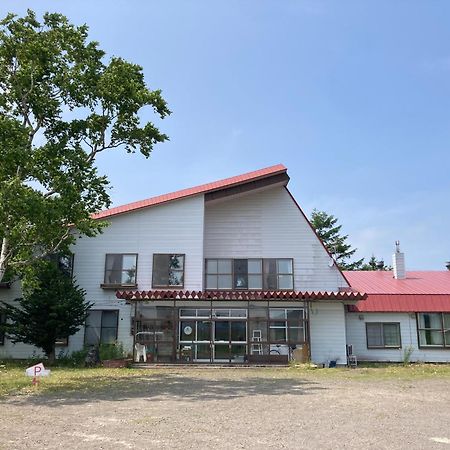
(434, 347)
(384, 348)
(167, 287)
(118, 286)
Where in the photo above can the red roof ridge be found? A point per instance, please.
(196, 190)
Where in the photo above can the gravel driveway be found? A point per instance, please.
(231, 409)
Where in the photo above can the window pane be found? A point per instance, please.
(109, 319)
(284, 265)
(204, 330)
(270, 266)
(277, 314)
(211, 266)
(224, 282)
(255, 282)
(391, 333)
(128, 262)
(277, 335)
(447, 321)
(295, 314)
(374, 335)
(113, 277)
(203, 313)
(129, 276)
(161, 270)
(222, 331)
(254, 266)
(285, 282)
(270, 282)
(430, 320)
(447, 338)
(114, 262)
(176, 262)
(176, 278)
(238, 313)
(94, 319)
(211, 281)
(296, 335)
(238, 331)
(187, 313)
(92, 336)
(240, 267)
(224, 266)
(431, 337)
(109, 335)
(222, 312)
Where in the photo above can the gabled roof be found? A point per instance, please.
(202, 189)
(421, 291)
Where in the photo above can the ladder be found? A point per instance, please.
(256, 347)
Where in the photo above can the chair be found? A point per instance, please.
(141, 350)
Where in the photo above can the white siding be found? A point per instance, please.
(356, 336)
(268, 224)
(327, 329)
(175, 227)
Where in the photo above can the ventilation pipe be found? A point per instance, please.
(398, 263)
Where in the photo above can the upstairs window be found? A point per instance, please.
(120, 269)
(434, 329)
(168, 270)
(249, 274)
(383, 335)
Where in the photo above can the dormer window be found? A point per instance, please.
(168, 271)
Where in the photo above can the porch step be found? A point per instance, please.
(204, 366)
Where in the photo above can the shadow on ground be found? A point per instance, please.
(168, 386)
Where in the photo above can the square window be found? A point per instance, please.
(168, 270)
(120, 269)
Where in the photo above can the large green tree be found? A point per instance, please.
(52, 308)
(329, 231)
(61, 104)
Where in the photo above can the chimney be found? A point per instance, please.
(398, 263)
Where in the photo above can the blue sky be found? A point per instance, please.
(352, 96)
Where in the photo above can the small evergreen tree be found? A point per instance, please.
(375, 264)
(51, 309)
(329, 231)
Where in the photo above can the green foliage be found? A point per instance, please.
(74, 359)
(111, 351)
(61, 104)
(329, 232)
(52, 308)
(375, 264)
(407, 353)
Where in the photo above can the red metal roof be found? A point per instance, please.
(239, 295)
(202, 189)
(422, 291)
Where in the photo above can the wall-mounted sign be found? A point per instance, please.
(187, 330)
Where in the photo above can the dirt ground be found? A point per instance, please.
(232, 409)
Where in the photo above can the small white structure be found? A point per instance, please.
(37, 370)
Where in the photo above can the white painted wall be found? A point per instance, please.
(327, 330)
(268, 224)
(356, 335)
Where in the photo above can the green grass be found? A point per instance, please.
(14, 382)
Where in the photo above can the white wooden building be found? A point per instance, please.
(230, 271)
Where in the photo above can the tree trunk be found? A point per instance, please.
(3, 259)
(51, 356)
